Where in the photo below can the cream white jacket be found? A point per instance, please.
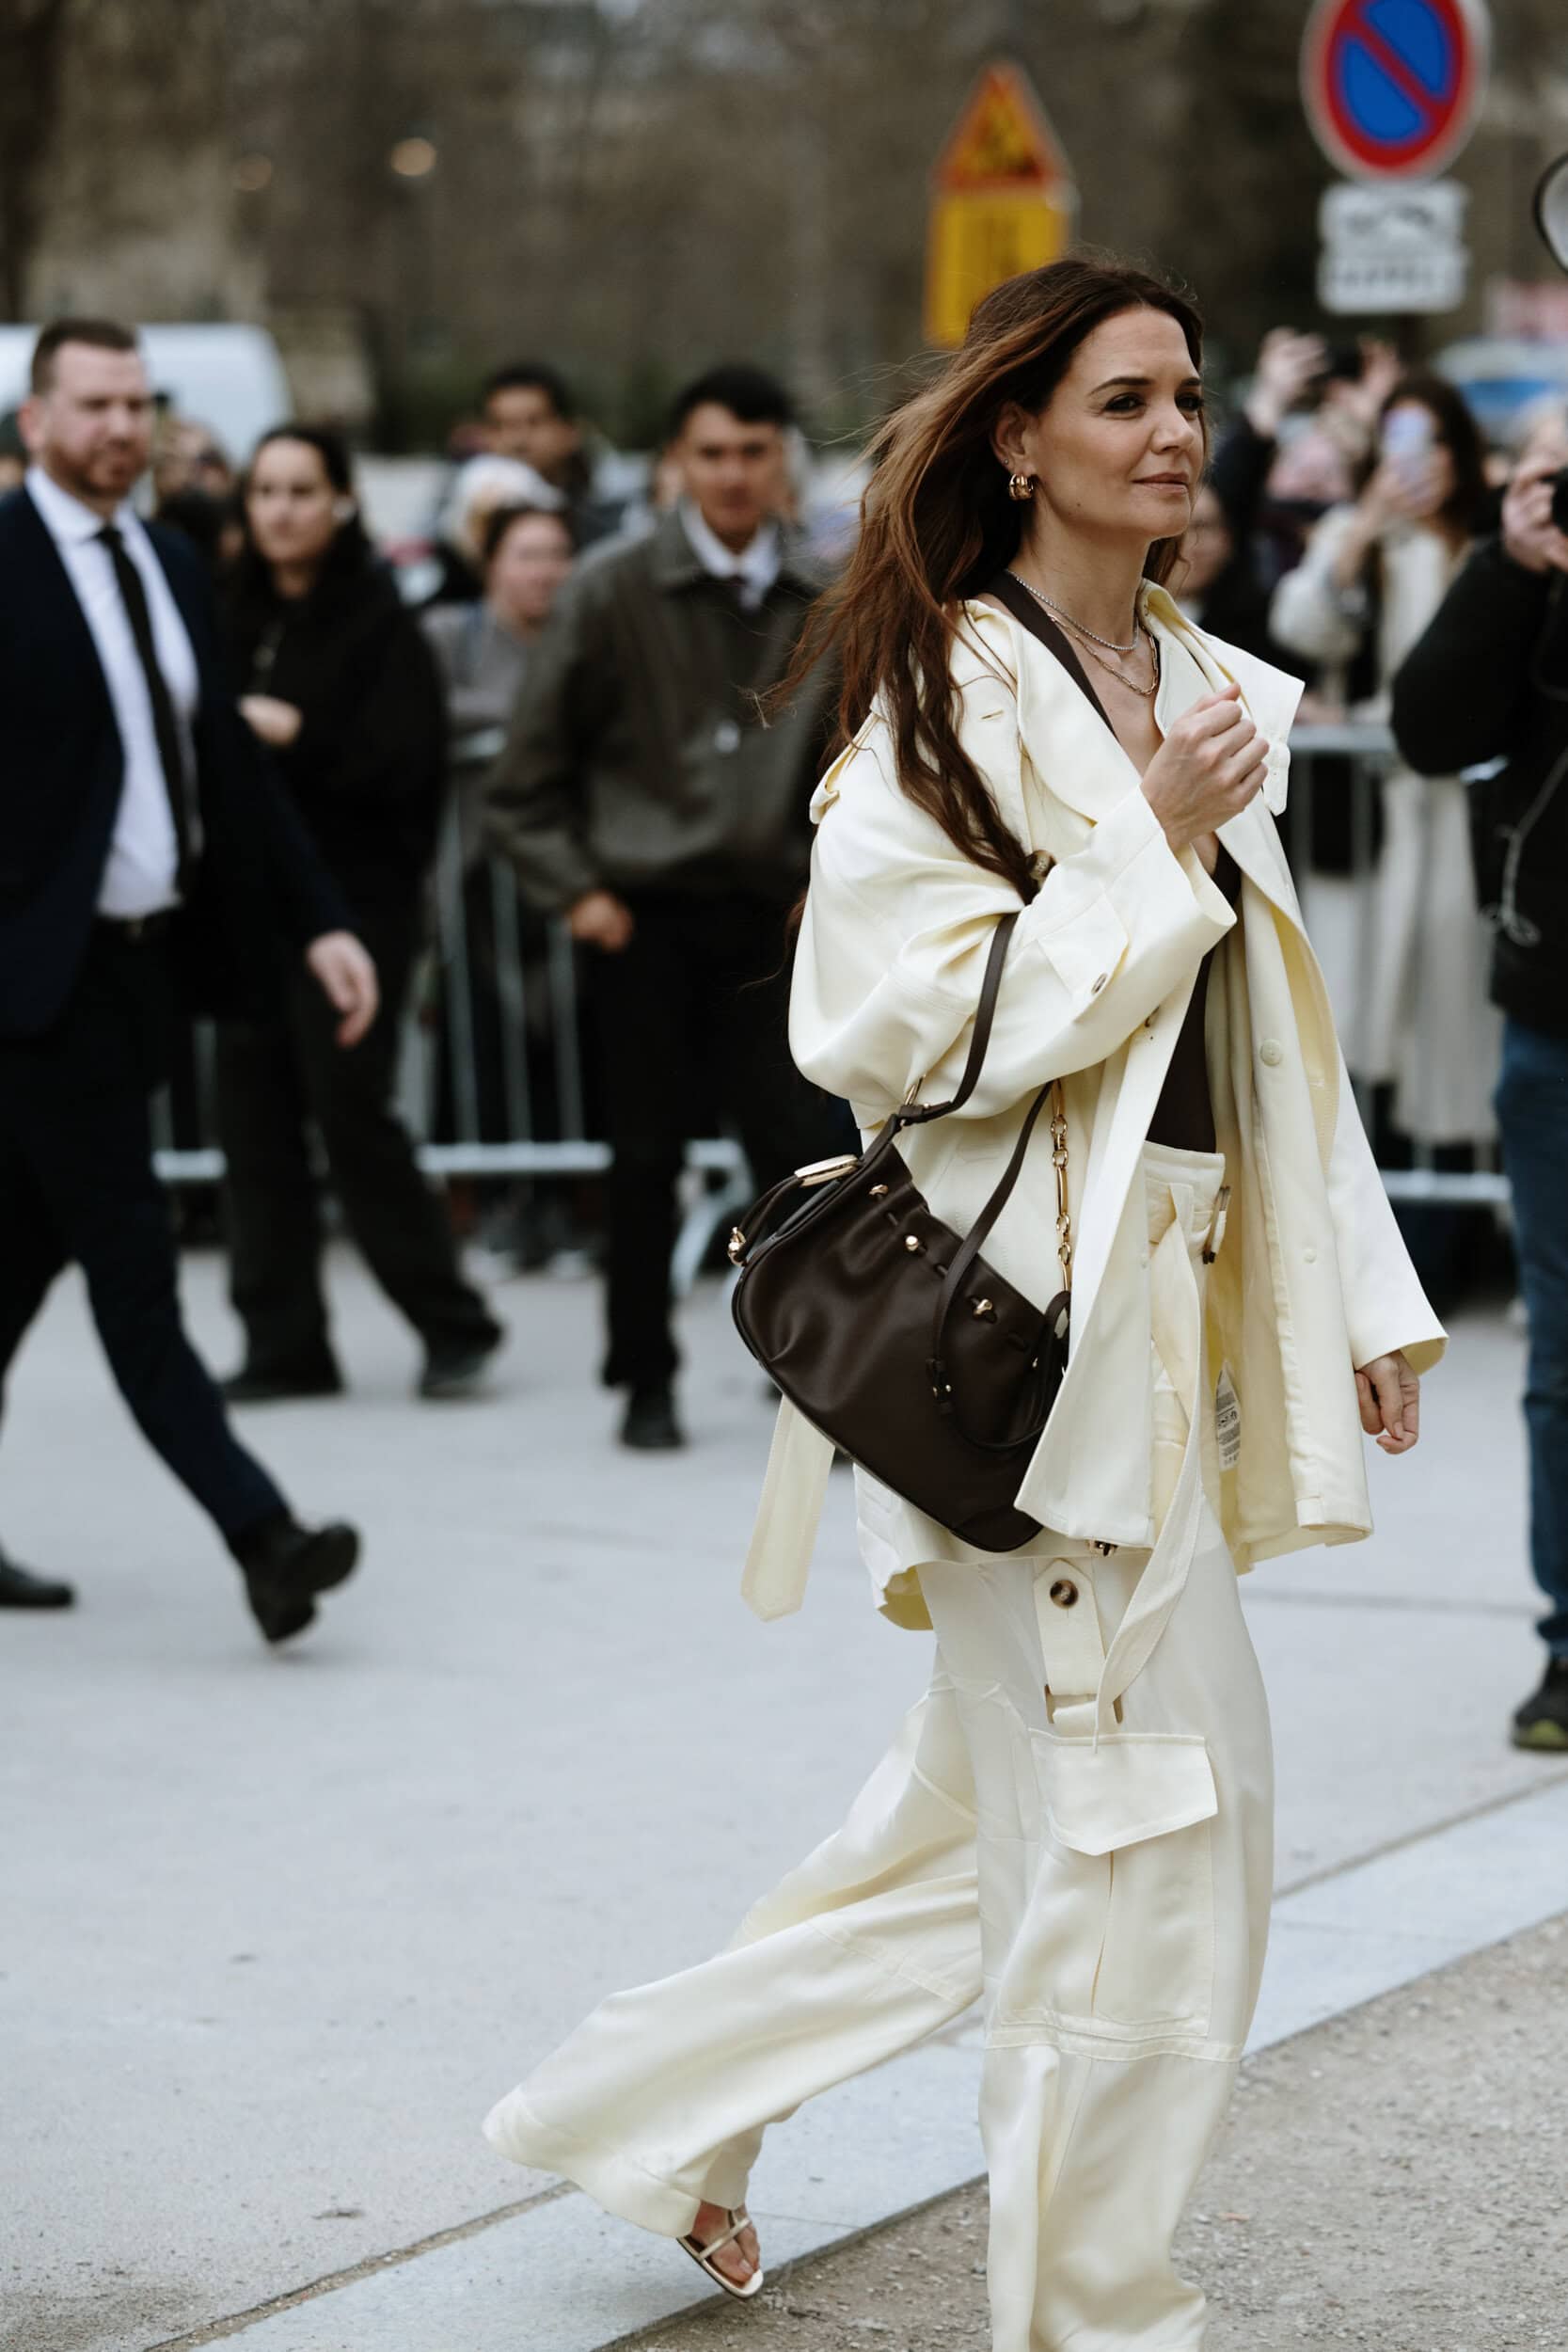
(1313, 1278)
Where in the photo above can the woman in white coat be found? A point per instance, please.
(1074, 1823)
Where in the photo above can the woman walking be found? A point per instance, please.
(341, 684)
(1075, 1820)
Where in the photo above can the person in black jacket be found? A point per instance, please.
(146, 857)
(342, 685)
(1489, 680)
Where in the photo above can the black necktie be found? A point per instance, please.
(164, 726)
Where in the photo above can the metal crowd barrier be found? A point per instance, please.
(522, 977)
(536, 1002)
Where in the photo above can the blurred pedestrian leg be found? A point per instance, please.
(273, 1081)
(1532, 1113)
(695, 1007)
(78, 1185)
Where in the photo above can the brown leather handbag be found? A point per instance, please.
(892, 1335)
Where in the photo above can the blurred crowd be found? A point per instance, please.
(1344, 493)
(535, 757)
(1343, 496)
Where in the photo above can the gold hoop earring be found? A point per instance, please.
(1020, 487)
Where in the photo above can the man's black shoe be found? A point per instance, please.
(457, 1367)
(270, 1384)
(286, 1566)
(21, 1589)
(1542, 1720)
(650, 1425)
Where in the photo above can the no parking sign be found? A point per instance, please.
(1391, 86)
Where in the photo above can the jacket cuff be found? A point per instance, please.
(1141, 890)
(1421, 1354)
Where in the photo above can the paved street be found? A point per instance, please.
(1391, 2180)
(276, 1931)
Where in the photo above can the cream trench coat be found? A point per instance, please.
(1313, 1278)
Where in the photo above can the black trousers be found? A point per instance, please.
(276, 1079)
(691, 1022)
(76, 1184)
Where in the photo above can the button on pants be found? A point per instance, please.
(1092, 1861)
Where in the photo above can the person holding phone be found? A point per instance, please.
(1489, 680)
(1409, 987)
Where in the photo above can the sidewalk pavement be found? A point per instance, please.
(1394, 2179)
(274, 1931)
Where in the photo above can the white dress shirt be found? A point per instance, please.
(144, 852)
(754, 569)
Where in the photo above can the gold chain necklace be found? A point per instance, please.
(1147, 692)
(1052, 606)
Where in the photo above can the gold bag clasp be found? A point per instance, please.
(826, 1171)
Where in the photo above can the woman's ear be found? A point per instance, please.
(1006, 439)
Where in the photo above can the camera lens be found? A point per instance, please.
(1559, 500)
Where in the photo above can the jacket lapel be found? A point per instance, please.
(1071, 748)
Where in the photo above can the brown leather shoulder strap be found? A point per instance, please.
(1037, 621)
(916, 1114)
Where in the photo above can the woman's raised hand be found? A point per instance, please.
(1207, 770)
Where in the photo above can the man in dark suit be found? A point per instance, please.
(146, 858)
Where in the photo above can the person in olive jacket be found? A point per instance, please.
(642, 796)
(1488, 681)
(339, 682)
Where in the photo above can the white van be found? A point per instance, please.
(230, 378)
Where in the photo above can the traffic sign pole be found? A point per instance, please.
(1003, 201)
(1391, 90)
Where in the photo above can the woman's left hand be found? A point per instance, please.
(274, 721)
(1389, 1394)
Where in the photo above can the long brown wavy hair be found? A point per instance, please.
(937, 525)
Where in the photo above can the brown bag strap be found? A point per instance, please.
(969, 1249)
(1029, 614)
(910, 1114)
(916, 1114)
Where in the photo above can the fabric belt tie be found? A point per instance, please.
(789, 1512)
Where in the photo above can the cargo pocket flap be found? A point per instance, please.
(1134, 1785)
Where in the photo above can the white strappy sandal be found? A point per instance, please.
(736, 2218)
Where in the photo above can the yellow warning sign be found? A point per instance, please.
(1004, 201)
(1002, 138)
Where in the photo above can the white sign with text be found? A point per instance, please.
(1393, 248)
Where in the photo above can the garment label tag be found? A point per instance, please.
(1227, 1419)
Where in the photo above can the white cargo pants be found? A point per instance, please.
(1074, 1823)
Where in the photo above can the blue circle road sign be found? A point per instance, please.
(1391, 86)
